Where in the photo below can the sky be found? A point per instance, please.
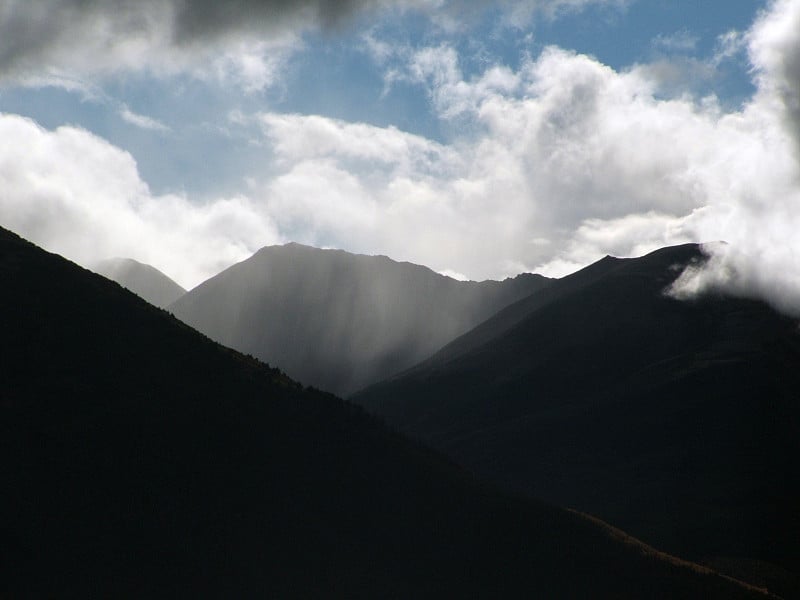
(481, 139)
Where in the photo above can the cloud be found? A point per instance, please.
(45, 42)
(245, 42)
(565, 160)
(761, 220)
(774, 49)
(682, 40)
(728, 45)
(80, 196)
(452, 96)
(757, 270)
(142, 121)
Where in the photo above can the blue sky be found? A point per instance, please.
(482, 139)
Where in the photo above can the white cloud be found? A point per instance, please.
(452, 96)
(567, 160)
(299, 137)
(682, 40)
(80, 196)
(142, 121)
(774, 48)
(249, 64)
(728, 45)
(760, 218)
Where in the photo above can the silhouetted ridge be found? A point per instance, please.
(140, 459)
(339, 321)
(675, 420)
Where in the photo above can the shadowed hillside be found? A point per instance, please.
(677, 421)
(143, 280)
(340, 321)
(140, 459)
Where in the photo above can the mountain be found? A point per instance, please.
(143, 280)
(677, 421)
(340, 321)
(140, 459)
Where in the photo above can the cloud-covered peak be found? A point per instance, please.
(760, 217)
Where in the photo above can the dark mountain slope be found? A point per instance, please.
(140, 459)
(143, 280)
(340, 321)
(677, 421)
(506, 318)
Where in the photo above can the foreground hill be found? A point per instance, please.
(143, 280)
(677, 421)
(140, 459)
(340, 321)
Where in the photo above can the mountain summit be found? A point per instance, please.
(340, 321)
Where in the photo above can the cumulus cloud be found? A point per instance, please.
(774, 48)
(82, 197)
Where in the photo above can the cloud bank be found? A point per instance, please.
(557, 163)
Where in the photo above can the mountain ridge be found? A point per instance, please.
(339, 321)
(512, 314)
(146, 460)
(672, 419)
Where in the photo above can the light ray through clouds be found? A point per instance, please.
(551, 163)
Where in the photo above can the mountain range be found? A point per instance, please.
(677, 420)
(141, 459)
(144, 280)
(340, 321)
(616, 416)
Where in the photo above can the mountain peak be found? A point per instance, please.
(340, 321)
